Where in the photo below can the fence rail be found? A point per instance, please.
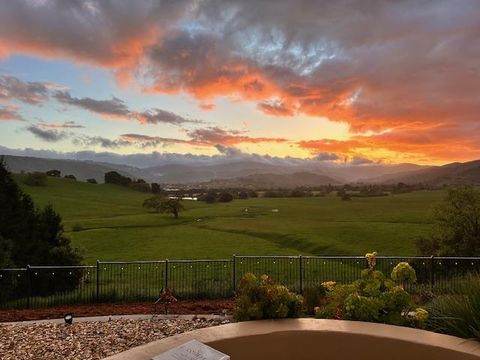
(123, 281)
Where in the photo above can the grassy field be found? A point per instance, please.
(107, 222)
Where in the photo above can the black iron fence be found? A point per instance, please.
(41, 286)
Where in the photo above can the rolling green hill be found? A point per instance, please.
(454, 173)
(108, 222)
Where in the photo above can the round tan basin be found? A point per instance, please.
(302, 339)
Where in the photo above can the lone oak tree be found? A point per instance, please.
(163, 204)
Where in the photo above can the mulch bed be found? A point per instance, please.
(89, 340)
(211, 306)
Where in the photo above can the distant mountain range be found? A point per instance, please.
(454, 173)
(257, 174)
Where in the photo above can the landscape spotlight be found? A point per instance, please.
(68, 318)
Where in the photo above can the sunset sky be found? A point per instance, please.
(339, 81)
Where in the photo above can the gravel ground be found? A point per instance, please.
(88, 340)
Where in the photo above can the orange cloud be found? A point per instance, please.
(10, 112)
(441, 143)
(207, 106)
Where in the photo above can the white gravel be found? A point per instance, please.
(88, 340)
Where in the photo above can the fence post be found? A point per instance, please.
(165, 282)
(432, 272)
(97, 290)
(29, 285)
(234, 273)
(300, 258)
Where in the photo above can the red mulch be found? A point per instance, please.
(215, 306)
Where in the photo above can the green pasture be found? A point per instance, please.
(108, 222)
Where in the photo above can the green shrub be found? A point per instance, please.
(313, 297)
(374, 298)
(333, 307)
(209, 197)
(404, 273)
(263, 299)
(458, 314)
(225, 197)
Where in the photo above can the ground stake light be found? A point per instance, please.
(68, 318)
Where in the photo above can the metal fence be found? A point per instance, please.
(138, 281)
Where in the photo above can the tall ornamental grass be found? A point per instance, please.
(458, 314)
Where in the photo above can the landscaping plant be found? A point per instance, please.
(458, 314)
(263, 299)
(374, 298)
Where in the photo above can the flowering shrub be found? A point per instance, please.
(263, 299)
(363, 308)
(420, 317)
(374, 298)
(404, 273)
(371, 260)
(329, 285)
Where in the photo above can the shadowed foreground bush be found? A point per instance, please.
(263, 299)
(374, 298)
(458, 314)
